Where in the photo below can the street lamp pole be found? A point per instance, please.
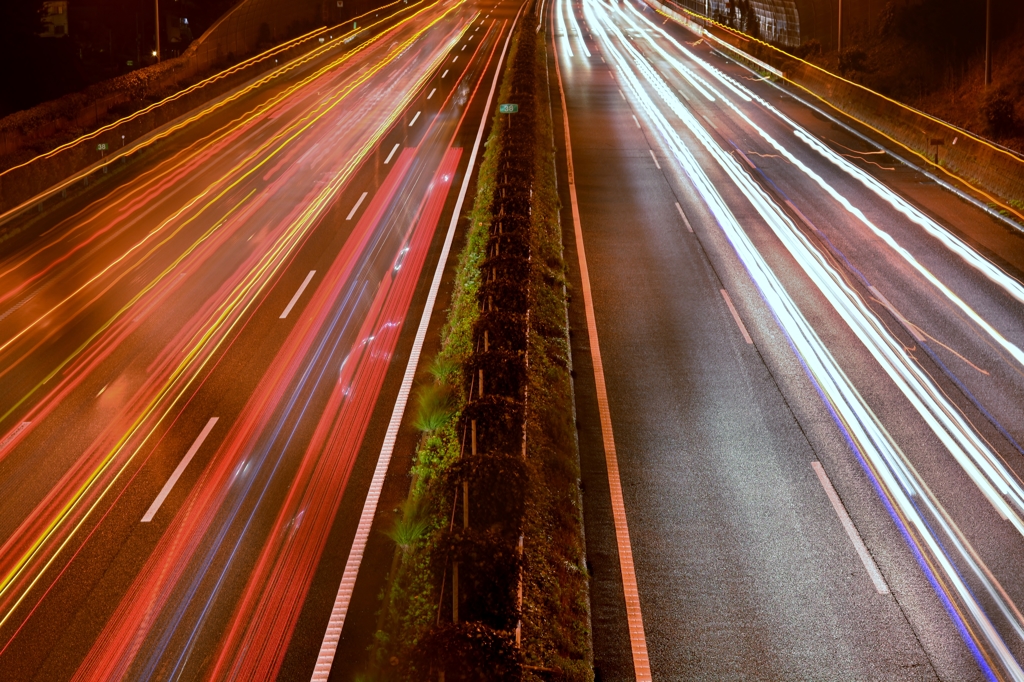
(840, 26)
(988, 43)
(157, 4)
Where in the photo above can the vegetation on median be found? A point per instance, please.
(498, 424)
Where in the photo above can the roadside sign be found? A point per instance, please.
(508, 108)
(102, 147)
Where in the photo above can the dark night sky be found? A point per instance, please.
(103, 36)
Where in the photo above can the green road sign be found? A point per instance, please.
(102, 147)
(508, 108)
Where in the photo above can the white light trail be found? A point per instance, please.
(987, 470)
(912, 501)
(996, 275)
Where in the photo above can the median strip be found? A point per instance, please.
(476, 583)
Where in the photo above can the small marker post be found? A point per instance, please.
(508, 109)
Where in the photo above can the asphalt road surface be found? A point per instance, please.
(200, 356)
(811, 354)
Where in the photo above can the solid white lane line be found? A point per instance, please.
(431, 93)
(386, 162)
(636, 121)
(302, 287)
(683, 216)
(166, 490)
(332, 635)
(869, 563)
(359, 202)
(736, 316)
(654, 157)
(414, 119)
(634, 616)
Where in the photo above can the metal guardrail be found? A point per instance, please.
(990, 170)
(55, 171)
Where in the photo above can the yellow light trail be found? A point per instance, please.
(293, 131)
(239, 302)
(287, 45)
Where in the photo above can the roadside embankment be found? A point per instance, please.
(992, 171)
(489, 579)
(237, 34)
(84, 134)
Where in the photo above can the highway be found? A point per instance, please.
(200, 357)
(799, 370)
(811, 358)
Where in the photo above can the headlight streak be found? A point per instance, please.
(1008, 284)
(894, 476)
(561, 25)
(977, 203)
(974, 455)
(576, 27)
(983, 466)
(993, 272)
(206, 342)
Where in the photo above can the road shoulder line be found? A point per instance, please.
(332, 635)
(634, 617)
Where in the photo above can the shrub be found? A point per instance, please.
(435, 406)
(411, 528)
(998, 110)
(853, 59)
(445, 370)
(811, 48)
(467, 652)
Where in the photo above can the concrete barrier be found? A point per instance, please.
(989, 169)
